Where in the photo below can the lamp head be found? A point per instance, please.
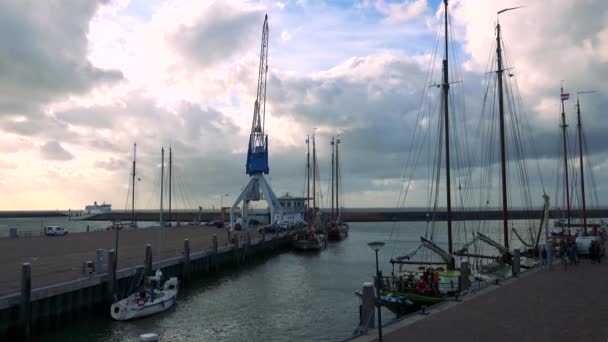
(376, 245)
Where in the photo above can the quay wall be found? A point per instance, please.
(33, 311)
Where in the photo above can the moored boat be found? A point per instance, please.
(149, 301)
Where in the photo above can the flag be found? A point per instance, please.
(565, 96)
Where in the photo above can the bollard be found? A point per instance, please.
(423, 310)
(186, 269)
(111, 275)
(26, 304)
(367, 317)
(148, 261)
(99, 261)
(515, 265)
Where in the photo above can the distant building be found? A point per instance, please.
(97, 209)
(294, 208)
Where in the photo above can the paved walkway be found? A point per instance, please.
(558, 305)
(59, 258)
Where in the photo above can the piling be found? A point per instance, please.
(99, 261)
(148, 261)
(186, 267)
(26, 301)
(111, 275)
(367, 313)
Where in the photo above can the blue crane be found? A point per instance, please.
(257, 152)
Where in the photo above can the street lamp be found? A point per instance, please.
(376, 246)
(222, 207)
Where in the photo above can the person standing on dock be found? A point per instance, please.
(543, 255)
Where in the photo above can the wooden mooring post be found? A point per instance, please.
(111, 275)
(186, 268)
(148, 261)
(25, 311)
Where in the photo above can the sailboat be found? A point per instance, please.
(434, 277)
(311, 238)
(491, 258)
(152, 297)
(336, 228)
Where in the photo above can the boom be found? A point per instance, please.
(257, 154)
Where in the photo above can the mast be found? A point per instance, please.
(307, 172)
(446, 88)
(580, 152)
(332, 177)
(133, 181)
(338, 180)
(564, 125)
(170, 181)
(314, 178)
(503, 161)
(162, 176)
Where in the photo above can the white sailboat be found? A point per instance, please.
(152, 298)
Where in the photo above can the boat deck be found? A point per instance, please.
(542, 305)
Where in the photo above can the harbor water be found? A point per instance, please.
(288, 297)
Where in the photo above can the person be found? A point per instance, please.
(592, 252)
(598, 252)
(544, 256)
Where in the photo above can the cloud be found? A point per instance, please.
(219, 32)
(399, 12)
(53, 150)
(43, 54)
(111, 164)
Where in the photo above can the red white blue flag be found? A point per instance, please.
(565, 96)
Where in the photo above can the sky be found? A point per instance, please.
(82, 81)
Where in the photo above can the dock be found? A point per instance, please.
(46, 281)
(562, 304)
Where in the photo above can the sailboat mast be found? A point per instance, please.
(332, 177)
(564, 125)
(446, 88)
(503, 158)
(338, 180)
(133, 181)
(580, 152)
(170, 181)
(314, 178)
(307, 172)
(162, 176)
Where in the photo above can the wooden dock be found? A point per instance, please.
(541, 305)
(43, 284)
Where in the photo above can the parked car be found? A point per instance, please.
(54, 231)
(215, 223)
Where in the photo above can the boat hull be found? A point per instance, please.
(133, 307)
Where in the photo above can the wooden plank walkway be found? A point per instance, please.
(59, 259)
(558, 305)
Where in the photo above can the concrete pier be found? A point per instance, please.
(539, 305)
(51, 290)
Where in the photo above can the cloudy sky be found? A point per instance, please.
(81, 81)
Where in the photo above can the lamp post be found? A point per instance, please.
(376, 246)
(222, 207)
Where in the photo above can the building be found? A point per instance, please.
(294, 208)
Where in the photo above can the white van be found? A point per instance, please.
(54, 231)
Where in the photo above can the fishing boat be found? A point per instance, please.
(151, 300)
